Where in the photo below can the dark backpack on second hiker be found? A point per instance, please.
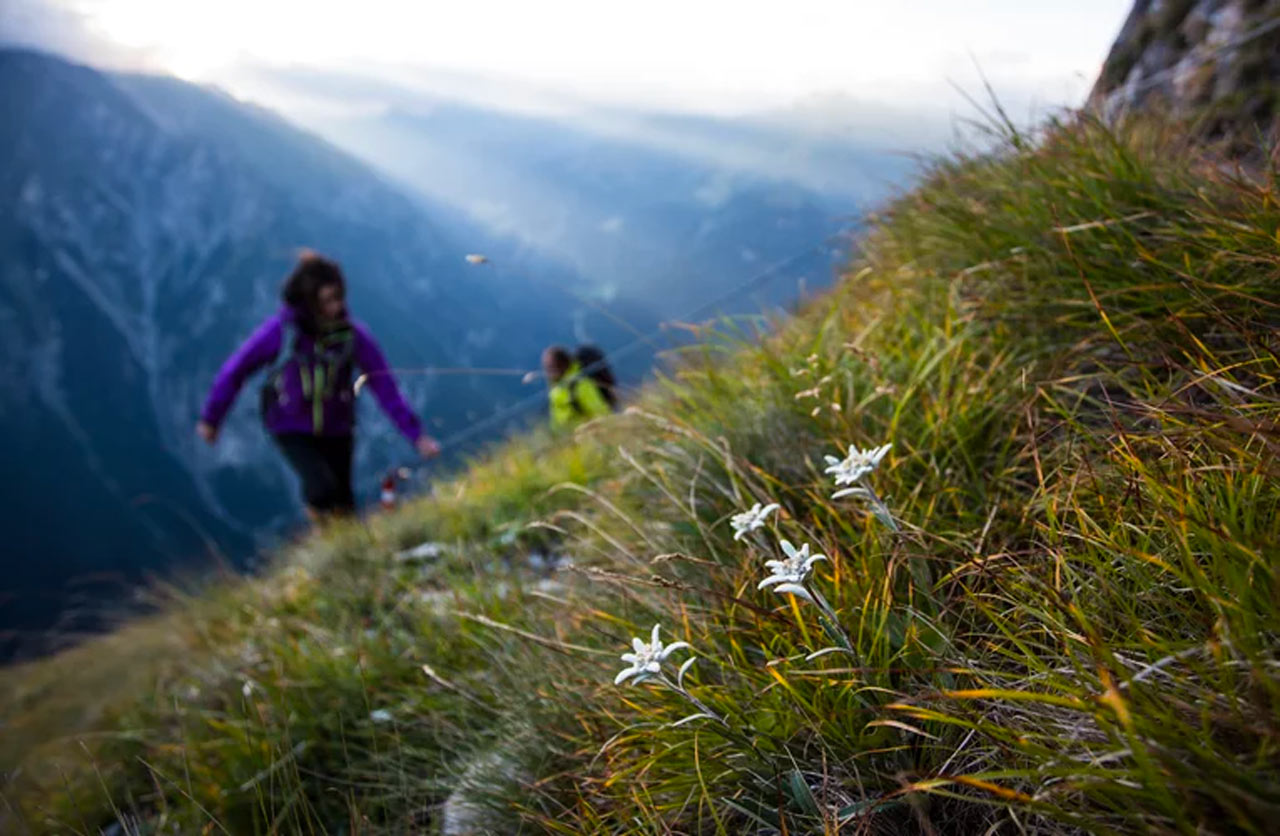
(592, 362)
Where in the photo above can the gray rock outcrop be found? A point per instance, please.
(1216, 59)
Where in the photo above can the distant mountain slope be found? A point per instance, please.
(144, 227)
(669, 210)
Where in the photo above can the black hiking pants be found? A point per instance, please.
(323, 465)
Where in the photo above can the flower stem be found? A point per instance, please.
(725, 729)
(830, 623)
(880, 510)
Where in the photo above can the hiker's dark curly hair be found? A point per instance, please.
(302, 286)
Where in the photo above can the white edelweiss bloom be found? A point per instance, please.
(790, 574)
(646, 662)
(748, 521)
(856, 465)
(380, 715)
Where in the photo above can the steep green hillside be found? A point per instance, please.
(1051, 607)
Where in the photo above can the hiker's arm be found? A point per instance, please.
(370, 360)
(260, 349)
(591, 399)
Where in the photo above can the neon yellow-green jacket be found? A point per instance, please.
(575, 398)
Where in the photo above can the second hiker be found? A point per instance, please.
(581, 387)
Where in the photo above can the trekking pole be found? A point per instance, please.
(445, 371)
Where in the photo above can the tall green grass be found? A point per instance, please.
(1071, 342)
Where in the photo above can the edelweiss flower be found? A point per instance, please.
(647, 660)
(789, 575)
(854, 466)
(748, 521)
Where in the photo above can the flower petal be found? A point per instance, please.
(808, 564)
(654, 642)
(639, 645)
(688, 663)
(796, 590)
(789, 549)
(624, 675)
(667, 651)
(861, 493)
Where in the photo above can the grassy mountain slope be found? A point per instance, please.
(1067, 622)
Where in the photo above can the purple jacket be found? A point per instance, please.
(292, 409)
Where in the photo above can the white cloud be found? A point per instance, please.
(58, 27)
(717, 55)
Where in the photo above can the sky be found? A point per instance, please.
(722, 57)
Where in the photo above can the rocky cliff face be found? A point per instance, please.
(1219, 58)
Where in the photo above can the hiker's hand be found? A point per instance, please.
(427, 446)
(207, 431)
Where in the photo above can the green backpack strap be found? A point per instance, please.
(334, 351)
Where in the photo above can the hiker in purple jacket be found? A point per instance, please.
(307, 402)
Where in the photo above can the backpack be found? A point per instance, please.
(592, 362)
(321, 381)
